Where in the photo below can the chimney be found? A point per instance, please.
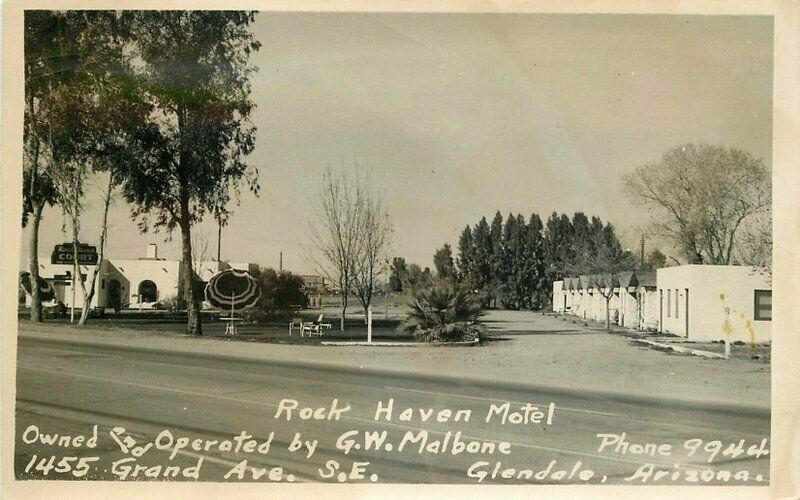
(152, 251)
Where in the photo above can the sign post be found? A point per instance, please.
(726, 329)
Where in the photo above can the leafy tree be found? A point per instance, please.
(533, 283)
(398, 274)
(70, 116)
(496, 271)
(518, 266)
(60, 51)
(506, 262)
(413, 276)
(443, 261)
(427, 276)
(482, 260)
(82, 116)
(700, 196)
(418, 278)
(113, 135)
(656, 259)
(522, 265)
(195, 72)
(559, 249)
(465, 261)
(584, 235)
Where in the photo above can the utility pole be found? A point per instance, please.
(642, 251)
(280, 263)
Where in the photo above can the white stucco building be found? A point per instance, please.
(697, 302)
(140, 283)
(715, 302)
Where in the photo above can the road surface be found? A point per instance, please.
(159, 397)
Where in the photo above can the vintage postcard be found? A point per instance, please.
(388, 249)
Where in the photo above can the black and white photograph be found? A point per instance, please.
(376, 247)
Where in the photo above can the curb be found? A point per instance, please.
(362, 343)
(755, 411)
(661, 346)
(422, 345)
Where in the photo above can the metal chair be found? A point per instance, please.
(315, 328)
(296, 323)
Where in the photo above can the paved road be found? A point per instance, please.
(67, 389)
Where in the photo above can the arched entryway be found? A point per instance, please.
(148, 291)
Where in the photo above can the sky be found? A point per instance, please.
(461, 115)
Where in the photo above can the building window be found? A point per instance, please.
(677, 303)
(763, 305)
(669, 302)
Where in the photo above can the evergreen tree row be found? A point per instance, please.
(513, 263)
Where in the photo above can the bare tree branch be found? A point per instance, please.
(700, 196)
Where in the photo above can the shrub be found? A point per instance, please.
(280, 292)
(58, 310)
(173, 305)
(444, 313)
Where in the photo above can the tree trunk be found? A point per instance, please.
(608, 313)
(33, 264)
(365, 298)
(193, 326)
(103, 236)
(344, 308)
(33, 255)
(87, 301)
(74, 215)
(77, 272)
(365, 304)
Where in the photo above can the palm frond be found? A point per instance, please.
(444, 314)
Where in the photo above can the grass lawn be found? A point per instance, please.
(272, 331)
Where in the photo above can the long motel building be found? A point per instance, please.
(698, 302)
(139, 283)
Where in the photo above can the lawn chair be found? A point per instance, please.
(315, 328)
(296, 323)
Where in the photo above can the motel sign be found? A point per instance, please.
(64, 254)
